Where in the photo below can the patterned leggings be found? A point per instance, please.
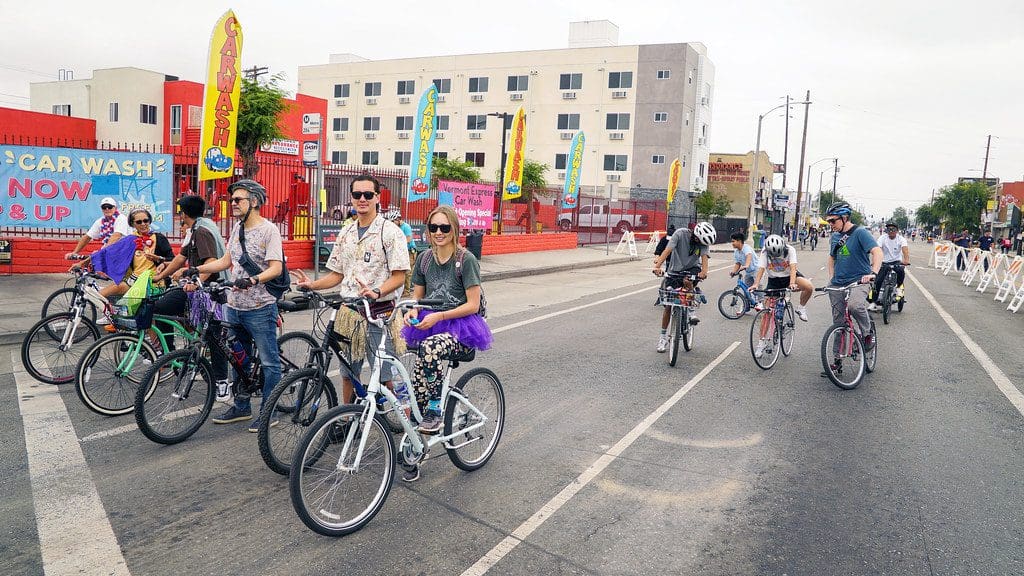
(426, 377)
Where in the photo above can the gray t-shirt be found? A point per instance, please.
(263, 243)
(686, 253)
(443, 281)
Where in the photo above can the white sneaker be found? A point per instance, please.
(223, 391)
(873, 307)
(663, 343)
(759, 350)
(758, 307)
(899, 292)
(801, 313)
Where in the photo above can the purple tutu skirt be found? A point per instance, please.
(470, 331)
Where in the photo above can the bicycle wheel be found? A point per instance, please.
(787, 332)
(332, 493)
(733, 304)
(886, 299)
(49, 359)
(481, 415)
(180, 392)
(294, 348)
(842, 356)
(871, 356)
(293, 406)
(688, 330)
(108, 375)
(60, 301)
(674, 333)
(770, 351)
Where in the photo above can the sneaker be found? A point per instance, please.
(874, 307)
(223, 390)
(103, 320)
(431, 423)
(411, 474)
(759, 349)
(254, 426)
(899, 292)
(233, 414)
(802, 314)
(758, 307)
(663, 343)
(694, 320)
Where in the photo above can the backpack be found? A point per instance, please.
(277, 286)
(428, 257)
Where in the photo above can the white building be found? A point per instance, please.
(640, 107)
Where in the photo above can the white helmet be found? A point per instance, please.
(705, 233)
(775, 246)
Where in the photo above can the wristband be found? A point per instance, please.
(255, 280)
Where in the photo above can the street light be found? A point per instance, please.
(501, 174)
(809, 203)
(757, 153)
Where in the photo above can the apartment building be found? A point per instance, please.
(639, 106)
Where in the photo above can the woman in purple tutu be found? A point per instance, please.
(449, 273)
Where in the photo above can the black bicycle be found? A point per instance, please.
(889, 294)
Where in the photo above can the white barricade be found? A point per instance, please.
(1008, 285)
(998, 263)
(652, 244)
(976, 263)
(628, 245)
(1018, 299)
(940, 254)
(954, 253)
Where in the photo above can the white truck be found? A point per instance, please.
(598, 215)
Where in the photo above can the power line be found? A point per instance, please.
(27, 71)
(14, 95)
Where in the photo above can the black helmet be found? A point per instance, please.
(839, 209)
(257, 193)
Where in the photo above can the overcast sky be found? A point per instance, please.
(904, 92)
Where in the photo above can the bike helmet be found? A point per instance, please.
(257, 193)
(839, 209)
(775, 246)
(705, 233)
(891, 225)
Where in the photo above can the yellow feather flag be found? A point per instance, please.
(220, 100)
(512, 187)
(674, 171)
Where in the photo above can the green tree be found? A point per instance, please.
(448, 169)
(709, 204)
(960, 205)
(260, 109)
(533, 183)
(899, 216)
(927, 216)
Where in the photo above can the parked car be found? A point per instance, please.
(598, 216)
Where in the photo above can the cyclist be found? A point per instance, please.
(894, 249)
(687, 253)
(744, 258)
(853, 256)
(778, 261)
(109, 228)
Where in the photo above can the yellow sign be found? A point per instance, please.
(220, 100)
(674, 171)
(512, 187)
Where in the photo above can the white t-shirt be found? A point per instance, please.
(120, 227)
(777, 267)
(892, 248)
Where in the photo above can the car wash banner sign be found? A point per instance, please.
(425, 134)
(220, 100)
(473, 203)
(62, 187)
(574, 166)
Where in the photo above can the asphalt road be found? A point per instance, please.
(746, 471)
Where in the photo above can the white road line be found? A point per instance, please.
(526, 528)
(1001, 381)
(75, 536)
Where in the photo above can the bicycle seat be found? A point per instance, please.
(464, 357)
(289, 306)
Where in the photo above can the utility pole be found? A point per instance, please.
(984, 170)
(253, 74)
(785, 148)
(803, 152)
(835, 177)
(501, 167)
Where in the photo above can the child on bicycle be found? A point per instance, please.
(778, 261)
(687, 253)
(745, 260)
(450, 273)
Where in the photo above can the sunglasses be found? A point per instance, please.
(238, 199)
(446, 228)
(147, 221)
(363, 195)
(832, 220)
(107, 207)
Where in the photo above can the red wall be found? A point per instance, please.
(37, 125)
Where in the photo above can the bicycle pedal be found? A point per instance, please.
(694, 321)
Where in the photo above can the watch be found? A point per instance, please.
(377, 291)
(255, 280)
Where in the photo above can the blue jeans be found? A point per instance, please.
(260, 327)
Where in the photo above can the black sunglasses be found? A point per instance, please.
(146, 221)
(107, 207)
(446, 228)
(832, 220)
(363, 195)
(238, 199)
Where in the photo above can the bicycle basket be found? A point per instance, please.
(136, 314)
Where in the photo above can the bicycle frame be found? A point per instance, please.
(176, 329)
(771, 298)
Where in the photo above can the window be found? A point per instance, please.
(615, 162)
(509, 118)
(340, 124)
(113, 113)
(518, 83)
(689, 79)
(570, 81)
(62, 109)
(147, 114)
(371, 158)
(560, 161)
(704, 130)
(406, 87)
(475, 158)
(372, 89)
(664, 74)
(478, 84)
(441, 155)
(371, 123)
(701, 170)
(620, 79)
(617, 122)
(687, 117)
(195, 116)
(341, 90)
(339, 157)
(175, 122)
(403, 123)
(568, 121)
(442, 122)
(661, 116)
(476, 122)
(402, 158)
(658, 159)
(444, 85)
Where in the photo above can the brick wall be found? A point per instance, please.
(514, 243)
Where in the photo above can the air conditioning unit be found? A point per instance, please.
(477, 98)
(370, 135)
(475, 135)
(703, 100)
(340, 102)
(442, 98)
(339, 135)
(619, 94)
(439, 136)
(568, 95)
(614, 178)
(566, 136)
(371, 101)
(701, 141)
(560, 175)
(403, 135)
(404, 100)
(515, 96)
(616, 136)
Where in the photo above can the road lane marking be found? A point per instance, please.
(1001, 381)
(75, 535)
(524, 530)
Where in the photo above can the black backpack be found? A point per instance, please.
(276, 287)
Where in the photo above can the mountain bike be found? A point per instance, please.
(773, 328)
(736, 302)
(888, 294)
(344, 464)
(844, 356)
(682, 324)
